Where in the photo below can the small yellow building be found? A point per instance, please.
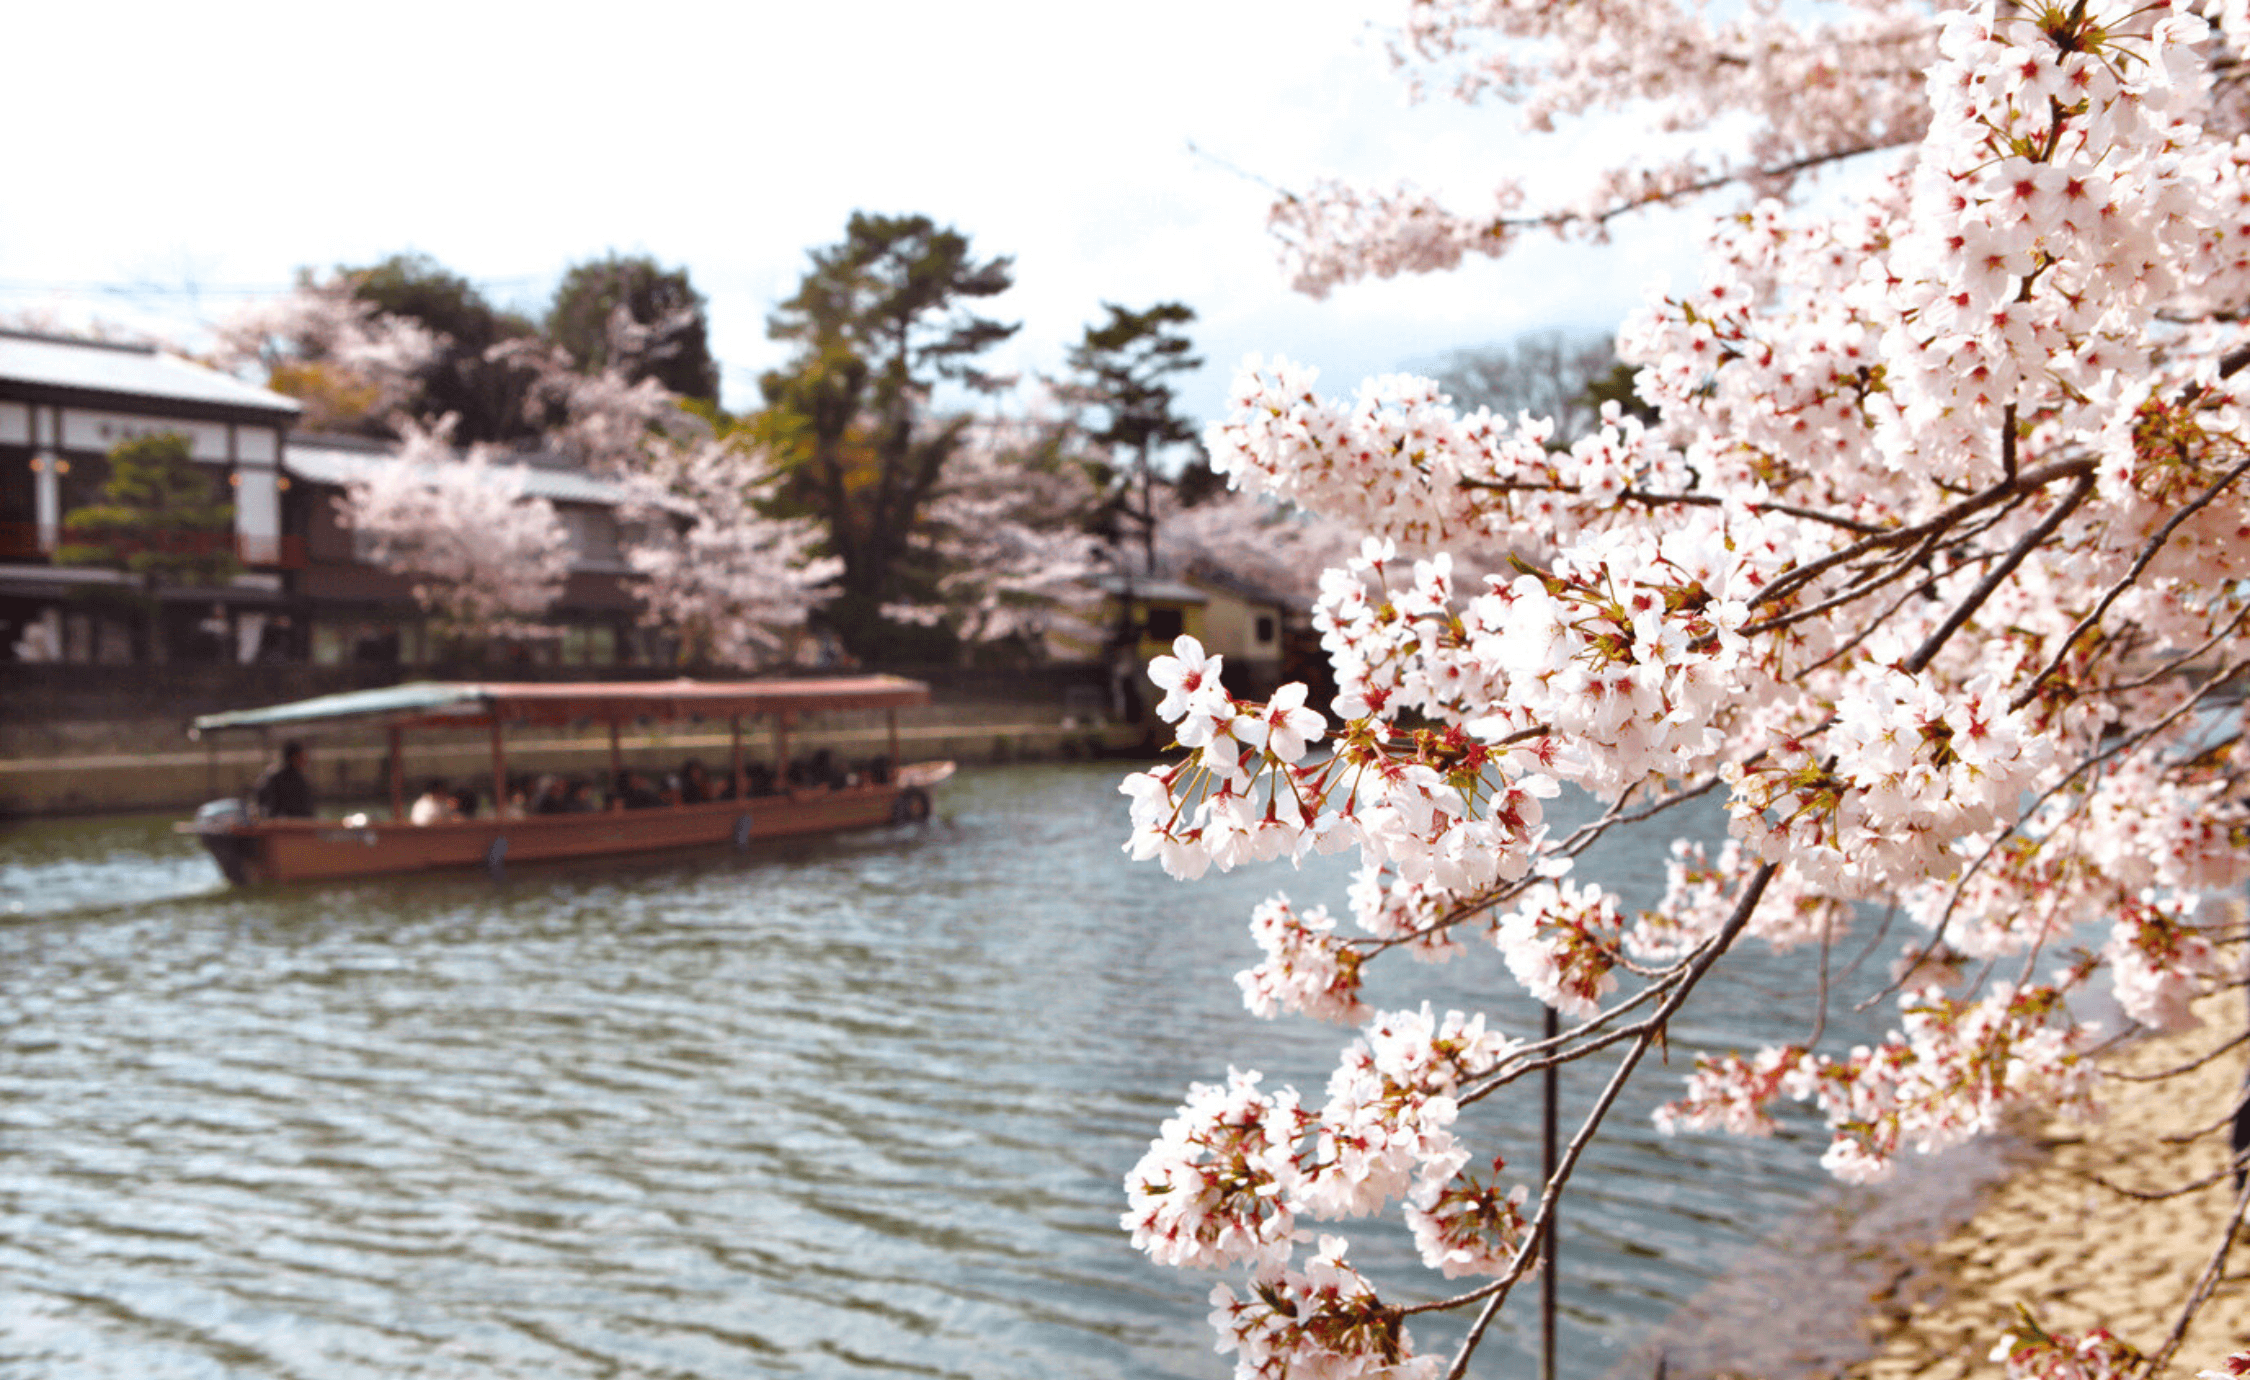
(1237, 620)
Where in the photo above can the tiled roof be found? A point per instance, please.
(1250, 591)
(130, 370)
(1155, 587)
(338, 461)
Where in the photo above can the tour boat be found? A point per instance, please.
(766, 799)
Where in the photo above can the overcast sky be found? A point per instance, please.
(164, 161)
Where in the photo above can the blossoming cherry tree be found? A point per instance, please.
(1933, 566)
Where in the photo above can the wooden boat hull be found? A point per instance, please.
(294, 850)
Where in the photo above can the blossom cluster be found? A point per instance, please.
(1929, 554)
(1950, 1072)
(1234, 1172)
(1915, 773)
(2031, 1352)
(1320, 1323)
(482, 552)
(708, 562)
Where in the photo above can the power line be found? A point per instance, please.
(25, 287)
(191, 290)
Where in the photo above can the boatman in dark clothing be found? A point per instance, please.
(282, 791)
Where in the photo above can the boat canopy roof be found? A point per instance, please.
(470, 704)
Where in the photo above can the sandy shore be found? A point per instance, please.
(2053, 1238)
(1917, 1278)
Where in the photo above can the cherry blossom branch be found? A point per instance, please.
(2060, 204)
(2204, 1285)
(2124, 744)
(1559, 221)
(2141, 562)
(2029, 481)
(2162, 1195)
(2032, 540)
(2176, 1070)
(1496, 1293)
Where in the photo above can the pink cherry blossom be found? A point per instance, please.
(1929, 567)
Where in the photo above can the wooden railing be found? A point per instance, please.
(19, 541)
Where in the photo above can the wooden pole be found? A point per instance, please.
(499, 771)
(781, 749)
(398, 777)
(1548, 1144)
(892, 716)
(734, 752)
(616, 768)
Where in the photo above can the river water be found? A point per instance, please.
(856, 1107)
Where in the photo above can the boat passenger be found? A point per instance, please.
(435, 805)
(632, 791)
(550, 795)
(817, 771)
(692, 785)
(465, 803)
(283, 791)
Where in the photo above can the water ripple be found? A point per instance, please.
(854, 1107)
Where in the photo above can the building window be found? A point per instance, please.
(1265, 628)
(1165, 624)
(361, 642)
(113, 642)
(19, 503)
(593, 534)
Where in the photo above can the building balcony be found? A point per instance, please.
(27, 543)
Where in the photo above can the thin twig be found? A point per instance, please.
(2226, 1119)
(1896, 569)
(2111, 595)
(2032, 541)
(2166, 669)
(1496, 1293)
(1562, 220)
(1890, 917)
(2032, 480)
(2236, 1043)
(1820, 1008)
(1786, 509)
(2159, 1195)
(2204, 1285)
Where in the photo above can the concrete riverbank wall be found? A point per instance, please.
(347, 766)
(109, 739)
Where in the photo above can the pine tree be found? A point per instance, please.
(880, 322)
(162, 523)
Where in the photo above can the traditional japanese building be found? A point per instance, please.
(1253, 628)
(64, 403)
(305, 591)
